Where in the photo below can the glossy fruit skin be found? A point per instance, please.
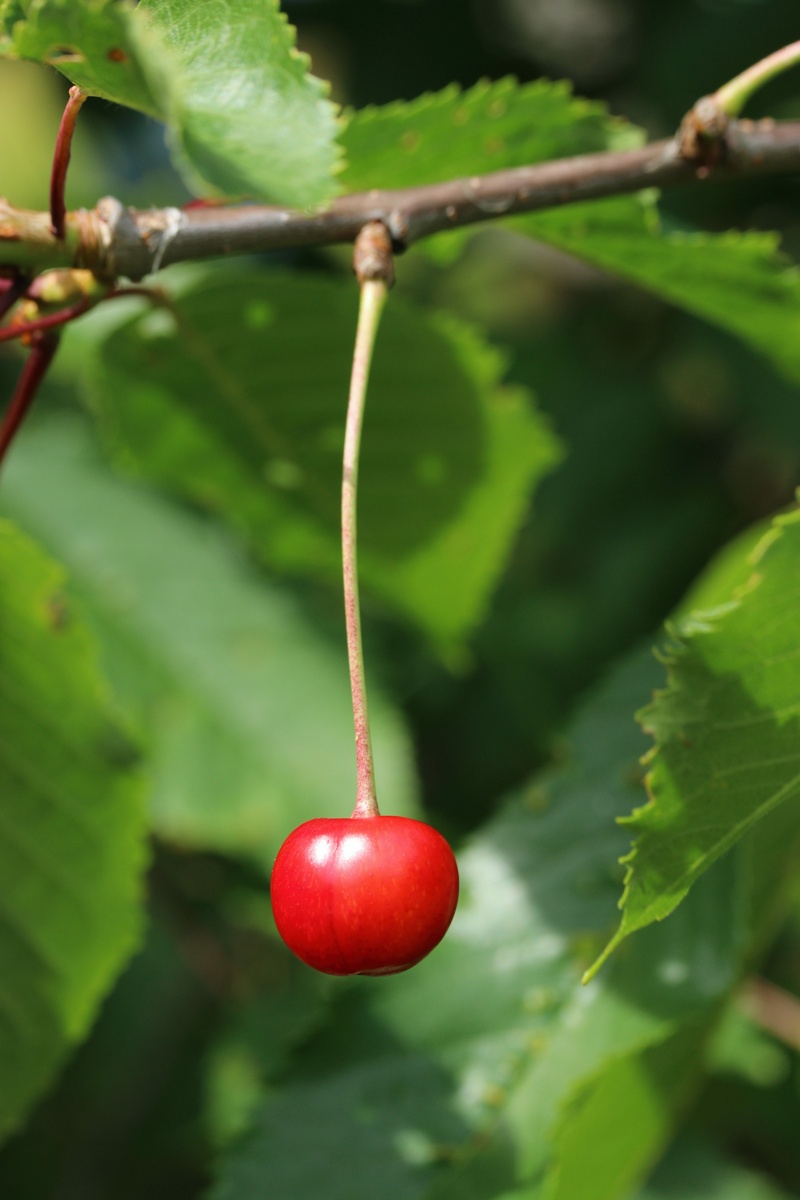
(363, 895)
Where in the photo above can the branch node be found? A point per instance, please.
(702, 136)
(372, 254)
(118, 241)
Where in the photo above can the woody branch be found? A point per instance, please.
(115, 241)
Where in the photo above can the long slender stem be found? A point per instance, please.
(733, 96)
(373, 296)
(38, 360)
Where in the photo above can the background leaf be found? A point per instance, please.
(242, 405)
(695, 1171)
(245, 707)
(738, 281)
(72, 849)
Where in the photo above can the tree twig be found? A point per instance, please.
(733, 96)
(61, 157)
(120, 242)
(42, 352)
(22, 329)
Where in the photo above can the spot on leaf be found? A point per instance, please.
(58, 614)
(64, 54)
(283, 474)
(410, 141)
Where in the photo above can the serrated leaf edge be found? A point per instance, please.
(695, 624)
(485, 88)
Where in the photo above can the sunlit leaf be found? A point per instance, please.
(725, 731)
(244, 115)
(491, 126)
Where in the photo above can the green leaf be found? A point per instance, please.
(738, 281)
(719, 581)
(725, 731)
(244, 705)
(72, 847)
(514, 1064)
(242, 405)
(257, 1040)
(247, 118)
(98, 44)
(741, 1047)
(491, 126)
(244, 115)
(397, 1117)
(611, 1131)
(693, 1170)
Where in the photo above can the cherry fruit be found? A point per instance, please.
(364, 895)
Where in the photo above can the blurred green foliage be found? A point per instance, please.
(677, 437)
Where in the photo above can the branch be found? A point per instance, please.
(43, 348)
(115, 241)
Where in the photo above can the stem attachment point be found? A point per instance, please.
(372, 254)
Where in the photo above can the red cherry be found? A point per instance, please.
(363, 895)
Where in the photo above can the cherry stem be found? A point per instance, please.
(373, 296)
(732, 96)
(41, 324)
(9, 333)
(44, 343)
(61, 157)
(41, 355)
